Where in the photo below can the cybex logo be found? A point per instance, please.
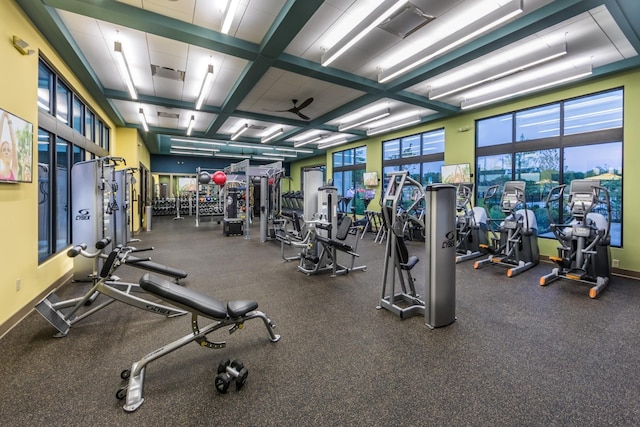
(450, 241)
(83, 215)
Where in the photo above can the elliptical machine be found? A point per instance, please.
(471, 225)
(516, 246)
(584, 254)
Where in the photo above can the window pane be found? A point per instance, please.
(361, 155)
(63, 237)
(433, 142)
(414, 173)
(44, 196)
(492, 170)
(78, 155)
(596, 112)
(540, 171)
(78, 115)
(337, 159)
(494, 131)
(543, 122)
(63, 101)
(98, 132)
(411, 146)
(89, 125)
(431, 172)
(348, 157)
(391, 150)
(106, 138)
(45, 80)
(600, 162)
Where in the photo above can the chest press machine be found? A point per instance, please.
(584, 254)
(438, 306)
(327, 237)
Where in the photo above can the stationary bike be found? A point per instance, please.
(471, 225)
(584, 254)
(514, 242)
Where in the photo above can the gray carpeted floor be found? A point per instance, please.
(518, 354)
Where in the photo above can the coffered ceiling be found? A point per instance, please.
(271, 64)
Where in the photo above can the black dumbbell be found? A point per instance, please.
(228, 370)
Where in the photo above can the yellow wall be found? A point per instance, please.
(460, 148)
(130, 146)
(18, 202)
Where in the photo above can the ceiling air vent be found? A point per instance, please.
(166, 115)
(406, 21)
(257, 127)
(167, 73)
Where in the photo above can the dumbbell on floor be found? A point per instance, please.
(227, 371)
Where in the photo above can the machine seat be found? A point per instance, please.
(194, 301)
(411, 262)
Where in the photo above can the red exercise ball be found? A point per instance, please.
(219, 178)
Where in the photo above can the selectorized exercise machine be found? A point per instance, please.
(438, 306)
(233, 313)
(516, 246)
(471, 225)
(584, 254)
(62, 314)
(326, 237)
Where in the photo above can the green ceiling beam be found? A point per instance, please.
(159, 25)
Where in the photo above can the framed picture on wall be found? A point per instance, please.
(16, 148)
(455, 174)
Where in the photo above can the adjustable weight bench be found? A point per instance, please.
(233, 313)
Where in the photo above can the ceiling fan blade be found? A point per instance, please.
(302, 116)
(305, 103)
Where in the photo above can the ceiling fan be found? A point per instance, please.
(296, 108)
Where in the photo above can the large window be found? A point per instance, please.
(422, 155)
(56, 156)
(551, 145)
(348, 171)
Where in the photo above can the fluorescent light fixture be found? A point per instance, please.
(375, 18)
(235, 156)
(143, 120)
(559, 78)
(190, 126)
(182, 147)
(267, 158)
(395, 125)
(242, 129)
(228, 17)
(124, 70)
(272, 136)
(191, 153)
(364, 121)
(301, 143)
(279, 154)
(537, 58)
(332, 143)
(293, 149)
(243, 146)
(474, 29)
(206, 87)
(198, 141)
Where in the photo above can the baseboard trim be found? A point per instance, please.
(14, 320)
